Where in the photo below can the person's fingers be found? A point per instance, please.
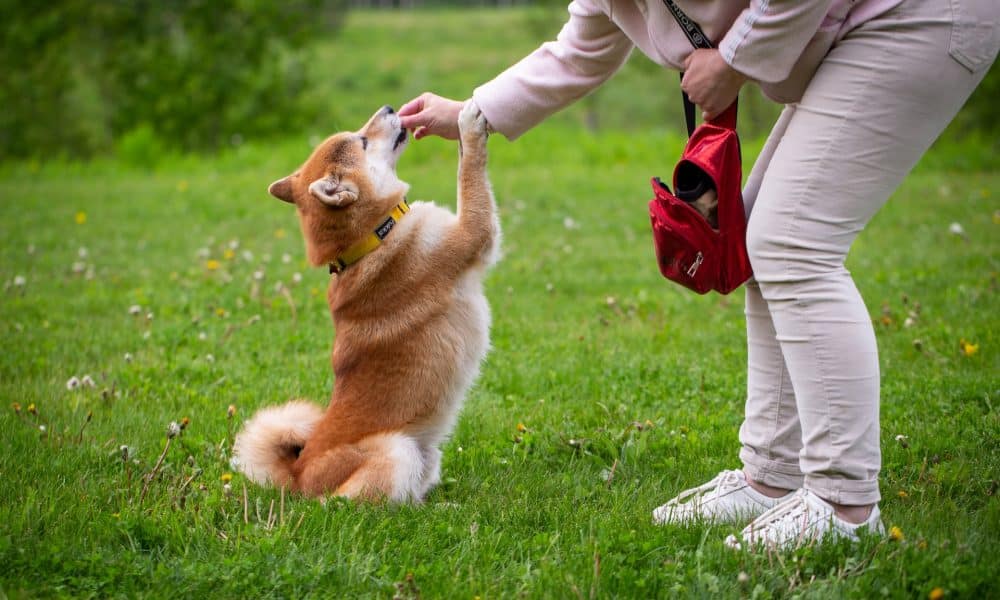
(413, 106)
(420, 133)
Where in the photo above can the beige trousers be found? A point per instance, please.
(877, 102)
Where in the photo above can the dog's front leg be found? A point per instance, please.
(478, 226)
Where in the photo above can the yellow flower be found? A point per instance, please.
(17, 407)
(220, 311)
(226, 477)
(229, 254)
(903, 494)
(968, 348)
(32, 409)
(212, 264)
(182, 185)
(279, 233)
(231, 411)
(521, 427)
(936, 594)
(81, 218)
(896, 534)
(922, 544)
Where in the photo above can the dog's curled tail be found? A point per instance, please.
(272, 440)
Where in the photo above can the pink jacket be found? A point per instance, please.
(777, 43)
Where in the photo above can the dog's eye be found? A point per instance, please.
(364, 143)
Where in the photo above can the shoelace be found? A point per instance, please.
(792, 512)
(724, 480)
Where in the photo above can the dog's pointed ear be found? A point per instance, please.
(282, 189)
(334, 192)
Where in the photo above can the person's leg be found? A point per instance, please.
(874, 106)
(770, 435)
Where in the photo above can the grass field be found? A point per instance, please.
(181, 291)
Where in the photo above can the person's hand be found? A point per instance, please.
(430, 114)
(710, 82)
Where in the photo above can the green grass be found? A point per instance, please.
(588, 340)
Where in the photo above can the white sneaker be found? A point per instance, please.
(799, 520)
(728, 497)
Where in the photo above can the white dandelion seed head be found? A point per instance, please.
(956, 229)
(128, 357)
(82, 252)
(87, 381)
(72, 383)
(247, 256)
(549, 287)
(743, 577)
(149, 316)
(258, 275)
(79, 267)
(286, 258)
(202, 336)
(234, 244)
(902, 438)
(31, 248)
(227, 489)
(279, 286)
(42, 428)
(173, 430)
(203, 252)
(146, 335)
(209, 358)
(19, 281)
(570, 223)
(134, 309)
(297, 277)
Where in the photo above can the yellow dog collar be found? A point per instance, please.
(371, 241)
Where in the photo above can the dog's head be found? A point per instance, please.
(346, 186)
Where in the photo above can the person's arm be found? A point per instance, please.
(588, 50)
(763, 44)
(768, 37)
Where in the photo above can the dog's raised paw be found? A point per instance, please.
(471, 122)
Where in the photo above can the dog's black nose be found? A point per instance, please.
(388, 109)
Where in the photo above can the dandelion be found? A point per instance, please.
(184, 423)
(247, 256)
(968, 348)
(209, 358)
(128, 357)
(265, 257)
(569, 223)
(72, 383)
(212, 264)
(124, 451)
(82, 252)
(296, 277)
(42, 428)
(902, 494)
(87, 381)
(80, 218)
(134, 310)
(903, 440)
(743, 578)
(226, 477)
(182, 186)
(17, 408)
(231, 411)
(280, 234)
(286, 258)
(202, 336)
(19, 281)
(521, 427)
(149, 316)
(258, 274)
(229, 254)
(203, 252)
(234, 244)
(909, 322)
(896, 534)
(173, 430)
(79, 267)
(32, 409)
(956, 229)
(922, 545)
(935, 594)
(227, 490)
(220, 312)
(549, 287)
(278, 287)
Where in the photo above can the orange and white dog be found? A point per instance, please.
(411, 320)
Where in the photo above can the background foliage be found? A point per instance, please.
(81, 75)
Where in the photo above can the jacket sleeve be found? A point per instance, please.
(588, 50)
(768, 37)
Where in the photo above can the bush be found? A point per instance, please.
(200, 73)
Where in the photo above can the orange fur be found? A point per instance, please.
(412, 324)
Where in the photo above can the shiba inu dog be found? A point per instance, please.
(411, 320)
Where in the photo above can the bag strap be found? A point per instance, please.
(698, 39)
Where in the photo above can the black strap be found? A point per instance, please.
(698, 39)
(691, 29)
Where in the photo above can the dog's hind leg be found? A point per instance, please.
(431, 475)
(392, 469)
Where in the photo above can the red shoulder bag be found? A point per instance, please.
(689, 250)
